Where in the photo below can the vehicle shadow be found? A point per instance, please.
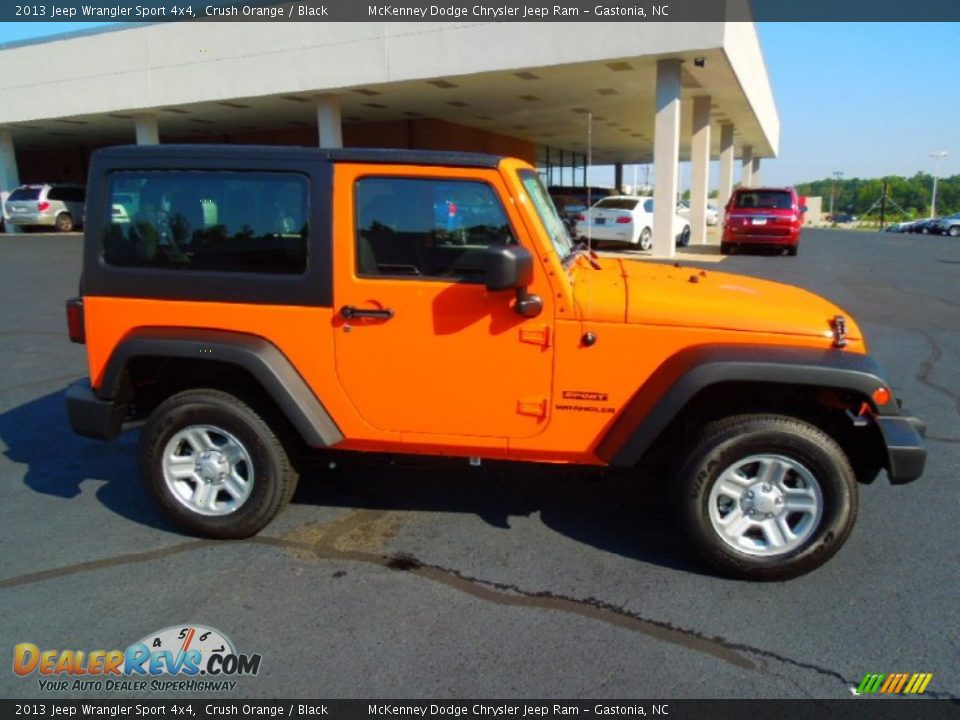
(626, 514)
(37, 434)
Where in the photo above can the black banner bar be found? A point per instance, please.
(480, 11)
(201, 709)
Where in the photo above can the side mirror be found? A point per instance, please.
(509, 267)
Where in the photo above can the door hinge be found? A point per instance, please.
(535, 407)
(535, 335)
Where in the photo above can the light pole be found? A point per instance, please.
(837, 177)
(937, 157)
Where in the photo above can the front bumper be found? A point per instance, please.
(92, 416)
(906, 450)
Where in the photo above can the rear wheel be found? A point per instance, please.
(793, 250)
(954, 231)
(646, 239)
(767, 497)
(684, 239)
(213, 465)
(64, 222)
(726, 248)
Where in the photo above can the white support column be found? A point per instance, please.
(700, 168)
(329, 124)
(148, 130)
(9, 174)
(726, 166)
(755, 172)
(746, 167)
(666, 157)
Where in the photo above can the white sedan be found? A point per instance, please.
(713, 215)
(627, 219)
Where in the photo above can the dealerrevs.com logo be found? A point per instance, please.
(180, 658)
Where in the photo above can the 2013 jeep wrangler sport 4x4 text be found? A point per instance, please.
(251, 303)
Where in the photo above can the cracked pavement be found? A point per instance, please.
(409, 580)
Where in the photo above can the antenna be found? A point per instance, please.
(586, 175)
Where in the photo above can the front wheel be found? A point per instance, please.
(684, 239)
(767, 497)
(954, 231)
(213, 465)
(793, 250)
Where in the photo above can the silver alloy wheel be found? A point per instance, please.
(208, 470)
(646, 239)
(765, 505)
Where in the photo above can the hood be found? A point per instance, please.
(642, 292)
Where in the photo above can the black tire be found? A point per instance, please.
(725, 248)
(645, 242)
(274, 479)
(684, 239)
(954, 231)
(793, 250)
(735, 440)
(64, 222)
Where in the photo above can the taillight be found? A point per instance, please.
(624, 219)
(581, 218)
(75, 320)
(43, 205)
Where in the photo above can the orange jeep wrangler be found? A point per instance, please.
(253, 302)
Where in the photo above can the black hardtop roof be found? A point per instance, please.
(346, 155)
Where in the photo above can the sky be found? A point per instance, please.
(864, 99)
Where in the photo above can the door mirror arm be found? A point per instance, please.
(527, 305)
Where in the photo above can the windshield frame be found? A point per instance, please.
(547, 212)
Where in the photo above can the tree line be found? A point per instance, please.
(856, 196)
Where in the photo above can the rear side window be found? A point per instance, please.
(24, 194)
(617, 204)
(427, 228)
(765, 199)
(221, 221)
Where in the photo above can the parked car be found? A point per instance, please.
(571, 201)
(900, 227)
(627, 219)
(922, 226)
(949, 225)
(3, 210)
(842, 218)
(47, 205)
(713, 214)
(764, 217)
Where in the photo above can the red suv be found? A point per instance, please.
(763, 217)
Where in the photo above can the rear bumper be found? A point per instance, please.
(906, 450)
(91, 416)
(751, 239)
(32, 219)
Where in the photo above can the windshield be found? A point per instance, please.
(617, 203)
(547, 212)
(764, 199)
(25, 193)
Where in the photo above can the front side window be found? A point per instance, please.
(434, 228)
(219, 221)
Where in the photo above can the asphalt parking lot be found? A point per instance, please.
(405, 581)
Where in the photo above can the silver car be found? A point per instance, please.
(47, 205)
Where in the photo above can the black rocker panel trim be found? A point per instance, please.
(260, 358)
(688, 372)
